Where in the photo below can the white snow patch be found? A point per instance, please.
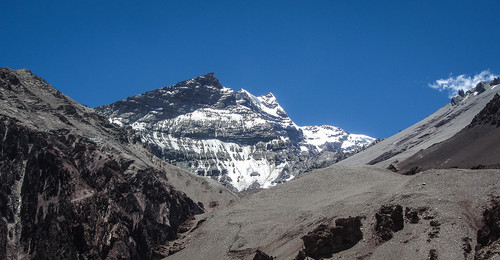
(319, 135)
(139, 126)
(116, 121)
(355, 140)
(267, 104)
(241, 165)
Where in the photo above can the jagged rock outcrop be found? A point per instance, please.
(259, 255)
(326, 240)
(236, 138)
(70, 196)
(478, 89)
(389, 220)
(495, 81)
(490, 115)
(73, 186)
(488, 237)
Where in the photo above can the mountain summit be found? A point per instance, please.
(242, 140)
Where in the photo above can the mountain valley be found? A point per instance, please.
(83, 183)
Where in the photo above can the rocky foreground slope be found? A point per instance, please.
(237, 138)
(436, 214)
(355, 211)
(74, 186)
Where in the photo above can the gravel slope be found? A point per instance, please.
(441, 209)
(475, 146)
(274, 220)
(435, 128)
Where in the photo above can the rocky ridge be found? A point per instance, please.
(474, 147)
(435, 128)
(74, 186)
(239, 139)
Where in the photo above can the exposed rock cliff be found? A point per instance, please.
(74, 186)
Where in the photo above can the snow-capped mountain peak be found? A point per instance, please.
(267, 104)
(240, 139)
(270, 105)
(207, 80)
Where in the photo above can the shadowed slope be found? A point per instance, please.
(435, 128)
(476, 146)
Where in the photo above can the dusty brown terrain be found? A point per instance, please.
(448, 203)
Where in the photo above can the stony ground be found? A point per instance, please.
(442, 213)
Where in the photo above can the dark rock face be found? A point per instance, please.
(70, 186)
(495, 81)
(412, 171)
(259, 255)
(326, 240)
(466, 246)
(433, 255)
(187, 97)
(435, 228)
(488, 237)
(71, 210)
(490, 115)
(412, 215)
(384, 157)
(8, 79)
(457, 100)
(389, 219)
(480, 87)
(3, 237)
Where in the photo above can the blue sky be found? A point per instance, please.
(365, 66)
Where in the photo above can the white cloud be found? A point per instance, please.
(454, 84)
